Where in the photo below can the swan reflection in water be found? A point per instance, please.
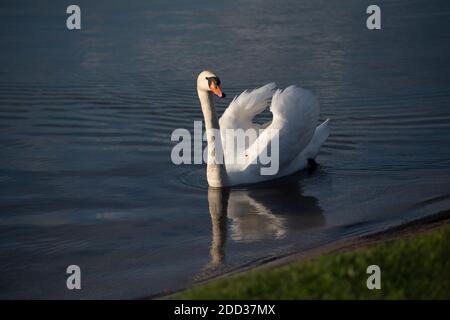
(265, 212)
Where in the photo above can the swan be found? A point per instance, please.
(295, 115)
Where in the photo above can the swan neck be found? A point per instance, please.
(209, 110)
(215, 172)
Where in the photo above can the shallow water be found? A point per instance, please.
(86, 117)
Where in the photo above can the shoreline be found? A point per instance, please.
(403, 231)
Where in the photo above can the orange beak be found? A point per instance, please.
(217, 90)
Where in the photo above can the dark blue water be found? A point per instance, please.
(86, 117)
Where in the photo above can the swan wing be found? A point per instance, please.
(243, 108)
(295, 116)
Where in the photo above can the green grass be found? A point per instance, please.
(412, 268)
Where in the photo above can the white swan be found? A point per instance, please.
(295, 115)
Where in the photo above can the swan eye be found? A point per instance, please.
(213, 81)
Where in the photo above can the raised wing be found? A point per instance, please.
(295, 116)
(243, 108)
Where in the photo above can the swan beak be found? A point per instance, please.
(218, 92)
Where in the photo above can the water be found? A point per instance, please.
(86, 118)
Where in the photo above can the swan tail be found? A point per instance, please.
(320, 136)
(307, 155)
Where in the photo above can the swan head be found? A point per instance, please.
(208, 81)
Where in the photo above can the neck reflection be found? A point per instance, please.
(270, 211)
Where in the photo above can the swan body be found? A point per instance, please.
(295, 115)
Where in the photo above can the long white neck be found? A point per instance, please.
(215, 171)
